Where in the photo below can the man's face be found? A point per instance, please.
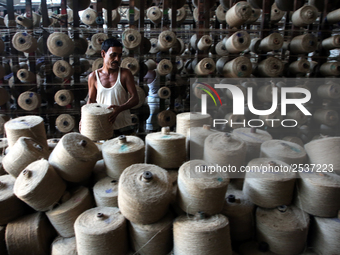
(112, 57)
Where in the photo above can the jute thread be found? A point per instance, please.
(221, 50)
(276, 14)
(270, 67)
(205, 67)
(105, 192)
(89, 17)
(329, 91)
(238, 42)
(154, 14)
(181, 14)
(300, 66)
(273, 41)
(24, 42)
(166, 118)
(237, 68)
(60, 44)
(23, 21)
(26, 76)
(306, 15)
(164, 67)
(303, 44)
(166, 40)
(62, 246)
(238, 14)
(333, 17)
(97, 40)
(187, 120)
(62, 69)
(65, 123)
(131, 39)
(331, 43)
(330, 69)
(326, 116)
(64, 97)
(131, 64)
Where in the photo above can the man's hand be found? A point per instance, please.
(114, 114)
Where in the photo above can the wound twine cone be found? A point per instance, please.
(303, 44)
(330, 69)
(306, 15)
(89, 16)
(62, 69)
(131, 64)
(273, 41)
(154, 46)
(64, 97)
(166, 40)
(276, 14)
(154, 14)
(105, 192)
(164, 67)
(238, 42)
(24, 42)
(164, 93)
(270, 67)
(326, 116)
(331, 42)
(62, 246)
(191, 119)
(330, 90)
(180, 16)
(254, 248)
(205, 67)
(131, 39)
(97, 40)
(333, 17)
(29, 101)
(60, 44)
(255, 14)
(221, 50)
(81, 5)
(166, 118)
(205, 42)
(300, 66)
(26, 76)
(238, 14)
(237, 68)
(23, 21)
(65, 123)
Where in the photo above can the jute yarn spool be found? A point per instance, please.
(273, 41)
(52, 143)
(31, 234)
(154, 14)
(253, 138)
(293, 139)
(301, 66)
(276, 14)
(164, 67)
(99, 171)
(255, 15)
(36, 19)
(115, 17)
(298, 116)
(3, 249)
(63, 216)
(284, 229)
(122, 152)
(101, 230)
(91, 51)
(24, 42)
(165, 149)
(254, 248)
(23, 21)
(203, 194)
(105, 192)
(4, 96)
(97, 64)
(330, 69)
(62, 69)
(333, 17)
(181, 14)
(152, 239)
(39, 186)
(27, 126)
(144, 193)
(154, 46)
(290, 153)
(97, 40)
(224, 149)
(331, 42)
(65, 123)
(326, 116)
(269, 188)
(192, 235)
(329, 91)
(26, 76)
(22, 153)
(166, 40)
(166, 118)
(240, 213)
(141, 97)
(131, 64)
(221, 62)
(62, 246)
(238, 14)
(60, 44)
(204, 42)
(95, 122)
(89, 16)
(238, 42)
(82, 5)
(205, 67)
(136, 14)
(74, 157)
(304, 16)
(64, 97)
(221, 50)
(303, 44)
(131, 39)
(285, 5)
(270, 67)
(317, 193)
(325, 233)
(237, 68)
(11, 206)
(187, 120)
(151, 64)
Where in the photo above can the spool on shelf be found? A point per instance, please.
(166, 118)
(270, 67)
(89, 16)
(131, 64)
(238, 14)
(304, 16)
(105, 192)
(303, 44)
(63, 69)
(64, 97)
(238, 42)
(97, 40)
(328, 117)
(237, 68)
(29, 101)
(60, 44)
(26, 76)
(329, 91)
(273, 41)
(131, 38)
(24, 42)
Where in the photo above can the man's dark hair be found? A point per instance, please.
(111, 42)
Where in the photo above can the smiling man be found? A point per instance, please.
(111, 84)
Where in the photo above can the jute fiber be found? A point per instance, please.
(166, 40)
(63, 69)
(299, 66)
(333, 17)
(329, 91)
(221, 50)
(238, 14)
(154, 14)
(237, 68)
(105, 192)
(62, 246)
(131, 64)
(187, 120)
(131, 38)
(330, 69)
(276, 14)
(164, 67)
(238, 42)
(26, 76)
(331, 42)
(89, 16)
(63, 97)
(273, 41)
(144, 200)
(205, 42)
(23, 21)
(164, 92)
(304, 16)
(60, 44)
(115, 17)
(303, 44)
(154, 46)
(24, 42)
(255, 14)
(166, 118)
(328, 117)
(270, 67)
(29, 101)
(223, 60)
(180, 15)
(99, 171)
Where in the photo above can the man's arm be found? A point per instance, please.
(92, 88)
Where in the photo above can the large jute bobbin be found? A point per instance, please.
(205, 67)
(192, 235)
(330, 69)
(90, 51)
(26, 76)
(276, 14)
(122, 152)
(131, 38)
(11, 206)
(304, 16)
(27, 126)
(23, 21)
(65, 123)
(101, 230)
(328, 117)
(39, 186)
(253, 138)
(97, 40)
(238, 42)
(63, 215)
(221, 50)
(301, 66)
(290, 153)
(24, 42)
(29, 101)
(131, 64)
(237, 68)
(64, 97)
(270, 67)
(166, 40)
(273, 41)
(165, 149)
(74, 157)
(240, 213)
(303, 44)
(60, 44)
(4, 96)
(329, 90)
(22, 153)
(144, 193)
(269, 186)
(154, 14)
(151, 64)
(152, 239)
(255, 248)
(255, 15)
(89, 16)
(204, 42)
(164, 67)
(187, 120)
(62, 246)
(205, 193)
(181, 14)
(95, 122)
(317, 193)
(284, 228)
(32, 234)
(82, 5)
(62, 69)
(166, 118)
(331, 42)
(333, 16)
(105, 192)
(97, 64)
(238, 14)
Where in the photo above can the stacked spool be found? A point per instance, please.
(101, 230)
(131, 39)
(63, 216)
(154, 14)
(187, 120)
(74, 157)
(303, 44)
(165, 149)
(331, 42)
(273, 41)
(97, 40)
(329, 91)
(24, 42)
(301, 66)
(65, 123)
(276, 14)
(330, 69)
(122, 152)
(105, 192)
(238, 14)
(327, 117)
(95, 122)
(205, 193)
(131, 64)
(181, 14)
(269, 188)
(26, 76)
(60, 44)
(270, 67)
(238, 42)
(62, 69)
(333, 16)
(144, 193)
(304, 16)
(29, 101)
(166, 118)
(237, 68)
(89, 16)
(62, 246)
(164, 67)
(166, 40)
